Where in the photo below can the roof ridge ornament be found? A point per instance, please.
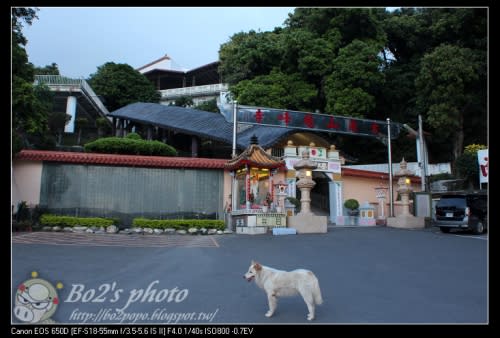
(254, 139)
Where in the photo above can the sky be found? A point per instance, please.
(79, 40)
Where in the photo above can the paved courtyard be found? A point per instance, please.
(367, 275)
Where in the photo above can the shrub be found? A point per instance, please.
(178, 224)
(134, 136)
(351, 204)
(295, 202)
(130, 146)
(70, 221)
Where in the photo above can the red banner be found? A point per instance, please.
(316, 122)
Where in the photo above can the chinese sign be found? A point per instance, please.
(315, 122)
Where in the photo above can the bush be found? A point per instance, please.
(70, 221)
(130, 146)
(351, 204)
(178, 224)
(134, 136)
(295, 202)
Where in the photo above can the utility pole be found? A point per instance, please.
(423, 154)
(235, 110)
(389, 155)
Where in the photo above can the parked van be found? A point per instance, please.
(467, 211)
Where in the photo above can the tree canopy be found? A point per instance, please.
(120, 85)
(372, 63)
(31, 105)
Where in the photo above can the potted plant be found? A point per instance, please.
(352, 205)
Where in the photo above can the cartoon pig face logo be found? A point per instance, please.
(36, 301)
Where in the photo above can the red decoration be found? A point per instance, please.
(285, 117)
(309, 120)
(332, 124)
(247, 190)
(22, 287)
(375, 128)
(353, 126)
(56, 300)
(259, 115)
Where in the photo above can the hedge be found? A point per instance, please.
(69, 221)
(178, 224)
(130, 146)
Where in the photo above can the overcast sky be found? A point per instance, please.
(81, 39)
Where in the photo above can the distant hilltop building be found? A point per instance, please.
(200, 84)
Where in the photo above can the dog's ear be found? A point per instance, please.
(257, 266)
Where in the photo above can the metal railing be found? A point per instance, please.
(212, 89)
(57, 80)
(62, 83)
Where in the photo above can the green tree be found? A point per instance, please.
(445, 91)
(210, 106)
(354, 82)
(120, 85)
(183, 101)
(57, 121)
(102, 125)
(371, 63)
(80, 123)
(467, 166)
(275, 90)
(248, 55)
(30, 105)
(411, 35)
(52, 69)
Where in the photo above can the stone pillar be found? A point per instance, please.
(380, 193)
(194, 146)
(405, 219)
(305, 183)
(305, 221)
(404, 191)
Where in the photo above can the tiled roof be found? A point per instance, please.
(121, 160)
(204, 124)
(165, 57)
(254, 155)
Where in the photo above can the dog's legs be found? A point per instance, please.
(309, 300)
(272, 300)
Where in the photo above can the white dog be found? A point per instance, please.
(278, 283)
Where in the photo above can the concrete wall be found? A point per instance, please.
(363, 189)
(25, 182)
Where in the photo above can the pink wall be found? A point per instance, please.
(363, 189)
(26, 182)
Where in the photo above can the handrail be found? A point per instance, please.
(58, 80)
(195, 90)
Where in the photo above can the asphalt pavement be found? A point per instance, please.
(367, 275)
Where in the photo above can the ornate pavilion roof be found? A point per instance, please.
(255, 156)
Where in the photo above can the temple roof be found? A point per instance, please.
(255, 156)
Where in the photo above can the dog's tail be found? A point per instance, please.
(318, 300)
